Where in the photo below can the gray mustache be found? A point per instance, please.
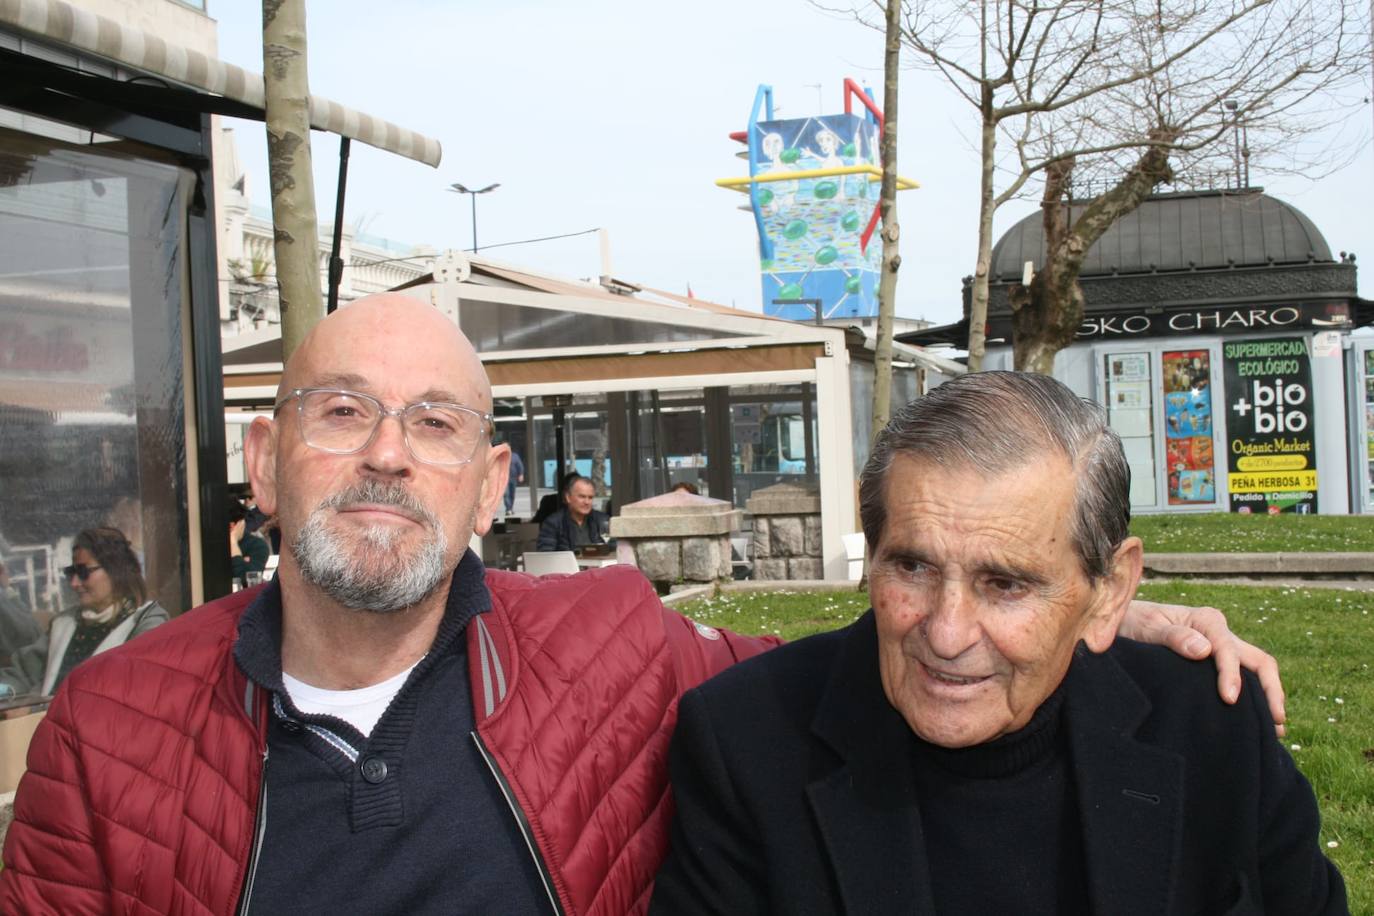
(381, 493)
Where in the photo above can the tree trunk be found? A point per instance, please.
(891, 232)
(1046, 316)
(295, 226)
(978, 307)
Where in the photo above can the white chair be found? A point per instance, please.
(854, 552)
(541, 563)
(740, 565)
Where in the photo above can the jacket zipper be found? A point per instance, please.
(259, 830)
(523, 822)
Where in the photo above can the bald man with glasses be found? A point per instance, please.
(387, 727)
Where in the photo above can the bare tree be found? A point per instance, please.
(1127, 94)
(295, 226)
(891, 233)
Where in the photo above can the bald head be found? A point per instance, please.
(377, 527)
(386, 332)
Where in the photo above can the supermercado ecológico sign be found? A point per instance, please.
(1271, 450)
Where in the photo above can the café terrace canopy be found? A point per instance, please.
(68, 25)
(540, 335)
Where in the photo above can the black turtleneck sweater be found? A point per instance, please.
(1001, 822)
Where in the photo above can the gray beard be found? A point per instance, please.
(365, 572)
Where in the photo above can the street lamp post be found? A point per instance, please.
(460, 189)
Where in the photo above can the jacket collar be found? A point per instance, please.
(1129, 794)
(866, 808)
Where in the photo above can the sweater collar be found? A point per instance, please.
(1008, 754)
(257, 650)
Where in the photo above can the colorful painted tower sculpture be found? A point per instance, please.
(813, 189)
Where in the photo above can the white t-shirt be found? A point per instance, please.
(360, 708)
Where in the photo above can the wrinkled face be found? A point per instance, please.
(579, 499)
(96, 593)
(979, 596)
(377, 529)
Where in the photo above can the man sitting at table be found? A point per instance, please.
(980, 741)
(577, 524)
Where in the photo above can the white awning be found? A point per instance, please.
(59, 21)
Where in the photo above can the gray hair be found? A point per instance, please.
(995, 422)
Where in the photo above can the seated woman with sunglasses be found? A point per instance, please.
(113, 607)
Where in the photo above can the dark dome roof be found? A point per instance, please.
(1196, 229)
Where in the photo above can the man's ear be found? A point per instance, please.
(493, 487)
(260, 461)
(1112, 594)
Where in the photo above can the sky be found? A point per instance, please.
(615, 114)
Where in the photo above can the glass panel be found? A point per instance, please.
(861, 376)
(769, 440)
(493, 326)
(91, 406)
(669, 444)
(1187, 381)
(585, 447)
(1130, 412)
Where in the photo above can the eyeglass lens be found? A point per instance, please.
(344, 422)
(80, 570)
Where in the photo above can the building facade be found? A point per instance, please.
(1218, 335)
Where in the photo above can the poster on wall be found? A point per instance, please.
(1272, 453)
(1188, 427)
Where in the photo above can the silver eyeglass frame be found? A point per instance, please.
(383, 411)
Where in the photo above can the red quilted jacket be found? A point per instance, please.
(143, 780)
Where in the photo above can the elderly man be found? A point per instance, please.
(980, 742)
(387, 727)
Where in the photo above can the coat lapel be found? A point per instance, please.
(866, 808)
(1130, 795)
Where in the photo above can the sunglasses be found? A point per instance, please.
(80, 570)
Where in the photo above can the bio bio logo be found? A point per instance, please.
(1274, 405)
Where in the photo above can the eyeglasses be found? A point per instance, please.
(342, 422)
(80, 570)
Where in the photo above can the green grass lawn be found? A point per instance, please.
(1226, 532)
(1323, 639)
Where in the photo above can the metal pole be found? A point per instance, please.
(817, 307)
(1235, 125)
(1233, 106)
(335, 262)
(474, 221)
